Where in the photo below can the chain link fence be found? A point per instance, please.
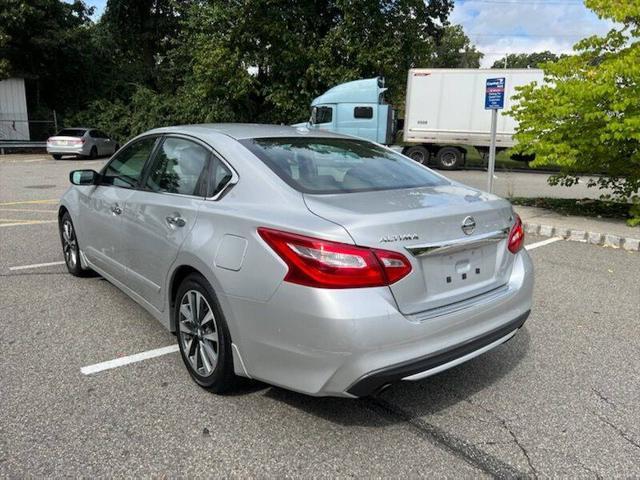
(14, 128)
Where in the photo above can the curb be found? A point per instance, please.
(603, 239)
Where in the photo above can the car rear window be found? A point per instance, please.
(336, 165)
(71, 132)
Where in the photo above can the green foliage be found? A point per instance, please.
(526, 60)
(259, 60)
(44, 41)
(454, 50)
(586, 116)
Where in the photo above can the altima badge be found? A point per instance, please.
(468, 225)
(399, 238)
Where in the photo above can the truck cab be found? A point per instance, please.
(355, 108)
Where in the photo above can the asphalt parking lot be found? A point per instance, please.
(560, 399)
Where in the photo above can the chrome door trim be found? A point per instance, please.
(456, 245)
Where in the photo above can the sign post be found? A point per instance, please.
(494, 101)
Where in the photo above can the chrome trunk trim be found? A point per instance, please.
(457, 245)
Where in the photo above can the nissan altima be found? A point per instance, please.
(314, 261)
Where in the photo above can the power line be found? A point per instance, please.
(526, 2)
(529, 34)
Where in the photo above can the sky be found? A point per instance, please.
(498, 27)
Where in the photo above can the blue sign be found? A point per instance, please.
(494, 94)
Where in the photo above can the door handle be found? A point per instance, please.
(116, 210)
(176, 221)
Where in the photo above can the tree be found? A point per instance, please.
(454, 50)
(44, 41)
(586, 116)
(526, 60)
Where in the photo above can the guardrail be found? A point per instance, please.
(11, 144)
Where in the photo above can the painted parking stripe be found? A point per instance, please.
(27, 222)
(531, 246)
(35, 265)
(51, 200)
(122, 361)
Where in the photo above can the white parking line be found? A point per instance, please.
(119, 362)
(35, 265)
(531, 246)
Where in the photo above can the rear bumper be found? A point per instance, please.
(434, 363)
(349, 343)
(67, 150)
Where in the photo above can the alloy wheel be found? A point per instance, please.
(69, 244)
(198, 333)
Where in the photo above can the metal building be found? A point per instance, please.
(14, 119)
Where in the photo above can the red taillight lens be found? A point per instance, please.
(324, 264)
(516, 236)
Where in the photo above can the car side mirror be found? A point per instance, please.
(84, 177)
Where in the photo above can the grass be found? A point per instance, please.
(583, 207)
(503, 161)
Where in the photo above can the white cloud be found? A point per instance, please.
(498, 27)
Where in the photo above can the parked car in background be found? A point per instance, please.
(322, 263)
(81, 142)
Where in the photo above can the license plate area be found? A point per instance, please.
(460, 272)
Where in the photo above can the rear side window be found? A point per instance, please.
(336, 165)
(125, 169)
(179, 167)
(220, 176)
(71, 132)
(363, 112)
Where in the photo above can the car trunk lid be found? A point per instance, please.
(425, 224)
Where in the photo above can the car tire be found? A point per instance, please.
(449, 158)
(56, 156)
(71, 248)
(203, 339)
(419, 154)
(93, 153)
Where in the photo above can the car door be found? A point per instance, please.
(102, 209)
(106, 143)
(96, 141)
(160, 215)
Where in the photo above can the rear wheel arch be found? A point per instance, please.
(177, 278)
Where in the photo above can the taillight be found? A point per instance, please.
(516, 236)
(324, 264)
(78, 141)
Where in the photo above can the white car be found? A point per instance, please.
(82, 142)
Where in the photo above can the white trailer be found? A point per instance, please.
(444, 111)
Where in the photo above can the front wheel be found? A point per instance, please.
(56, 156)
(203, 335)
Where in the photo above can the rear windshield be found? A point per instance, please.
(336, 165)
(71, 132)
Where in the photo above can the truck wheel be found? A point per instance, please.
(449, 158)
(419, 154)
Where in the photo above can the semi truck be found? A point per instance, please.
(444, 113)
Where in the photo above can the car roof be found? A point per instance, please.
(241, 131)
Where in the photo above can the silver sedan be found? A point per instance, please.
(82, 142)
(318, 262)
